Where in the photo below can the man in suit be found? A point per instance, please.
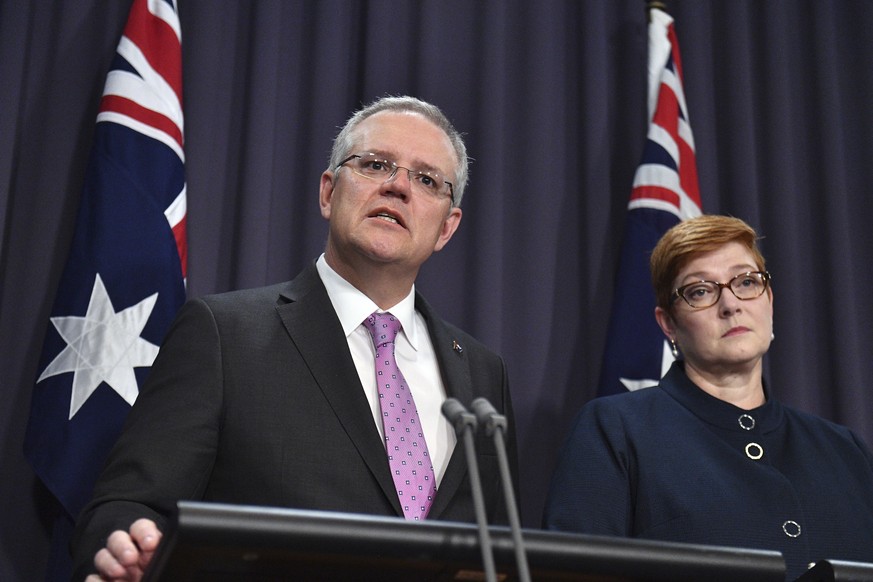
(269, 396)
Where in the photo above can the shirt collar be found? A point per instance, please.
(353, 307)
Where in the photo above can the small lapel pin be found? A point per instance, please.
(456, 346)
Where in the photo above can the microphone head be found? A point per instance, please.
(488, 416)
(452, 409)
(482, 407)
(458, 415)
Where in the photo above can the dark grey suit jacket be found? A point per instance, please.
(254, 399)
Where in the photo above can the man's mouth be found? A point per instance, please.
(388, 217)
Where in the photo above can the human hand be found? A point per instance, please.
(127, 553)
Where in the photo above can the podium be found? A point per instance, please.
(217, 542)
(838, 571)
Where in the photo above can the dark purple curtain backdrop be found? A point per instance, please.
(551, 96)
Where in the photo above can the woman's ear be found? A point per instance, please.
(666, 322)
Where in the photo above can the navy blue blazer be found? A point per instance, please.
(673, 463)
(255, 399)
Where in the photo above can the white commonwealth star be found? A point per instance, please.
(666, 361)
(103, 346)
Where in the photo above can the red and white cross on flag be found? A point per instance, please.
(665, 191)
(124, 278)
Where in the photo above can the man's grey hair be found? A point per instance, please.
(343, 143)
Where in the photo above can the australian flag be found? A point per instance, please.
(124, 279)
(665, 191)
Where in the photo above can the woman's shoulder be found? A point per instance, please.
(637, 408)
(816, 428)
(630, 399)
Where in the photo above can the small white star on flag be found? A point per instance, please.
(666, 361)
(129, 243)
(103, 346)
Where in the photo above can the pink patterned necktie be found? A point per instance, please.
(410, 463)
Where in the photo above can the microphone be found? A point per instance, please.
(495, 425)
(464, 423)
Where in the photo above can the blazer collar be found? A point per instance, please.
(454, 366)
(308, 316)
(710, 409)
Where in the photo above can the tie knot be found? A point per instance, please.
(383, 327)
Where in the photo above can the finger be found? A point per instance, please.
(107, 566)
(123, 549)
(147, 536)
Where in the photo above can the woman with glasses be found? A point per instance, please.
(709, 456)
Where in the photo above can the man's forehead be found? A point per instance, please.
(400, 133)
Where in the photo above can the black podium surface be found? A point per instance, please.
(838, 571)
(229, 542)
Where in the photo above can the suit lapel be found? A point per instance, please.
(455, 369)
(308, 316)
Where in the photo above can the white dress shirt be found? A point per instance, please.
(415, 357)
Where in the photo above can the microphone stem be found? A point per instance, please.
(511, 507)
(479, 505)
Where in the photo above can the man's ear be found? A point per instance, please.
(450, 225)
(325, 192)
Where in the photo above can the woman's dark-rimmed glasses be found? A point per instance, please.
(703, 294)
